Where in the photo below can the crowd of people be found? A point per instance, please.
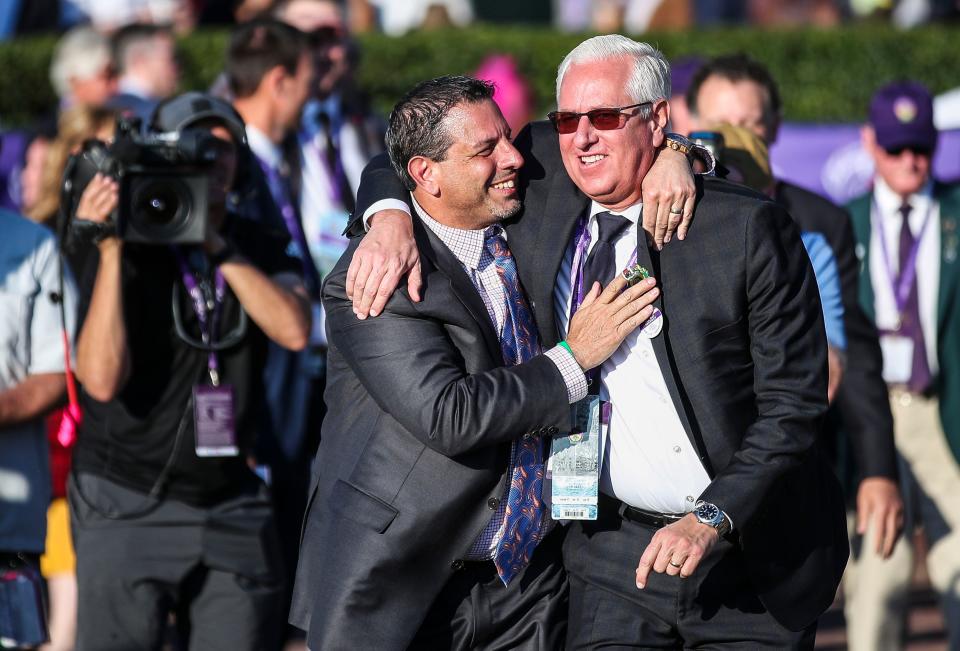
(307, 381)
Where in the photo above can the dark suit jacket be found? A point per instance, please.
(413, 454)
(947, 382)
(744, 356)
(862, 400)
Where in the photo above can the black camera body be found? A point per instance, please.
(163, 183)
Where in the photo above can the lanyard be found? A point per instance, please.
(901, 284)
(583, 239)
(207, 308)
(282, 196)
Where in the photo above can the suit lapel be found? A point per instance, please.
(463, 288)
(949, 266)
(661, 343)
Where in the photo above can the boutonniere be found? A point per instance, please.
(950, 239)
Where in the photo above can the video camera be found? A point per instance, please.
(163, 182)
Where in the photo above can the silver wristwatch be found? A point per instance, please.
(710, 514)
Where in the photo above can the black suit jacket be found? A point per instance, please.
(743, 353)
(862, 400)
(413, 454)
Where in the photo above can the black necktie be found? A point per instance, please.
(602, 261)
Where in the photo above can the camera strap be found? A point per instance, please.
(213, 407)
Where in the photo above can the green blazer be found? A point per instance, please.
(947, 381)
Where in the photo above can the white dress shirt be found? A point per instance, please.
(885, 214)
(649, 462)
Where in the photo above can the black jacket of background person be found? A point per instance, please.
(743, 353)
(862, 400)
(130, 439)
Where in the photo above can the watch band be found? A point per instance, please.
(679, 143)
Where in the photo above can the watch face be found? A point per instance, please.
(707, 512)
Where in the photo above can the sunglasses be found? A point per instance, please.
(918, 151)
(603, 119)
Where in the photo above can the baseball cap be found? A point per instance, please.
(901, 114)
(188, 109)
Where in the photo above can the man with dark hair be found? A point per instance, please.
(738, 90)
(270, 72)
(145, 57)
(167, 515)
(426, 527)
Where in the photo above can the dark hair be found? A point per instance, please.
(127, 37)
(416, 122)
(259, 46)
(734, 68)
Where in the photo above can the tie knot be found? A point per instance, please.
(610, 226)
(495, 242)
(905, 209)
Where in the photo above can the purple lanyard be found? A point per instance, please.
(205, 307)
(583, 239)
(902, 284)
(280, 191)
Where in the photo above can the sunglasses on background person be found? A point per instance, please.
(917, 151)
(603, 119)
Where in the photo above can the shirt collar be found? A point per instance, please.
(889, 201)
(468, 246)
(262, 148)
(632, 213)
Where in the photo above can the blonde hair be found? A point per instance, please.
(76, 126)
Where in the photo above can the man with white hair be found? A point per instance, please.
(82, 69)
(718, 523)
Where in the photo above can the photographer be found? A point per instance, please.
(167, 514)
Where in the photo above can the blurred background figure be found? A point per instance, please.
(109, 15)
(907, 237)
(512, 92)
(31, 385)
(398, 18)
(82, 70)
(738, 90)
(146, 61)
(270, 69)
(681, 73)
(338, 132)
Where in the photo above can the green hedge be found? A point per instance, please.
(824, 74)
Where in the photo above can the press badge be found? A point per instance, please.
(574, 463)
(897, 358)
(213, 421)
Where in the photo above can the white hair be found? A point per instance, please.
(650, 80)
(82, 53)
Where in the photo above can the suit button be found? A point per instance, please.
(553, 430)
(493, 503)
(457, 565)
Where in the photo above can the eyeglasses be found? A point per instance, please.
(603, 119)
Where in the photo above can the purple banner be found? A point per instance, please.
(829, 160)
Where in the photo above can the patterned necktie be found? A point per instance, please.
(910, 326)
(601, 263)
(519, 342)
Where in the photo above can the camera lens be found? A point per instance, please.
(158, 203)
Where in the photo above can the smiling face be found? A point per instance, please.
(476, 183)
(608, 165)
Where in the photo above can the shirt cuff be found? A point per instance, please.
(383, 204)
(573, 375)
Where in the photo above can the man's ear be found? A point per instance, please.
(659, 120)
(273, 80)
(425, 173)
